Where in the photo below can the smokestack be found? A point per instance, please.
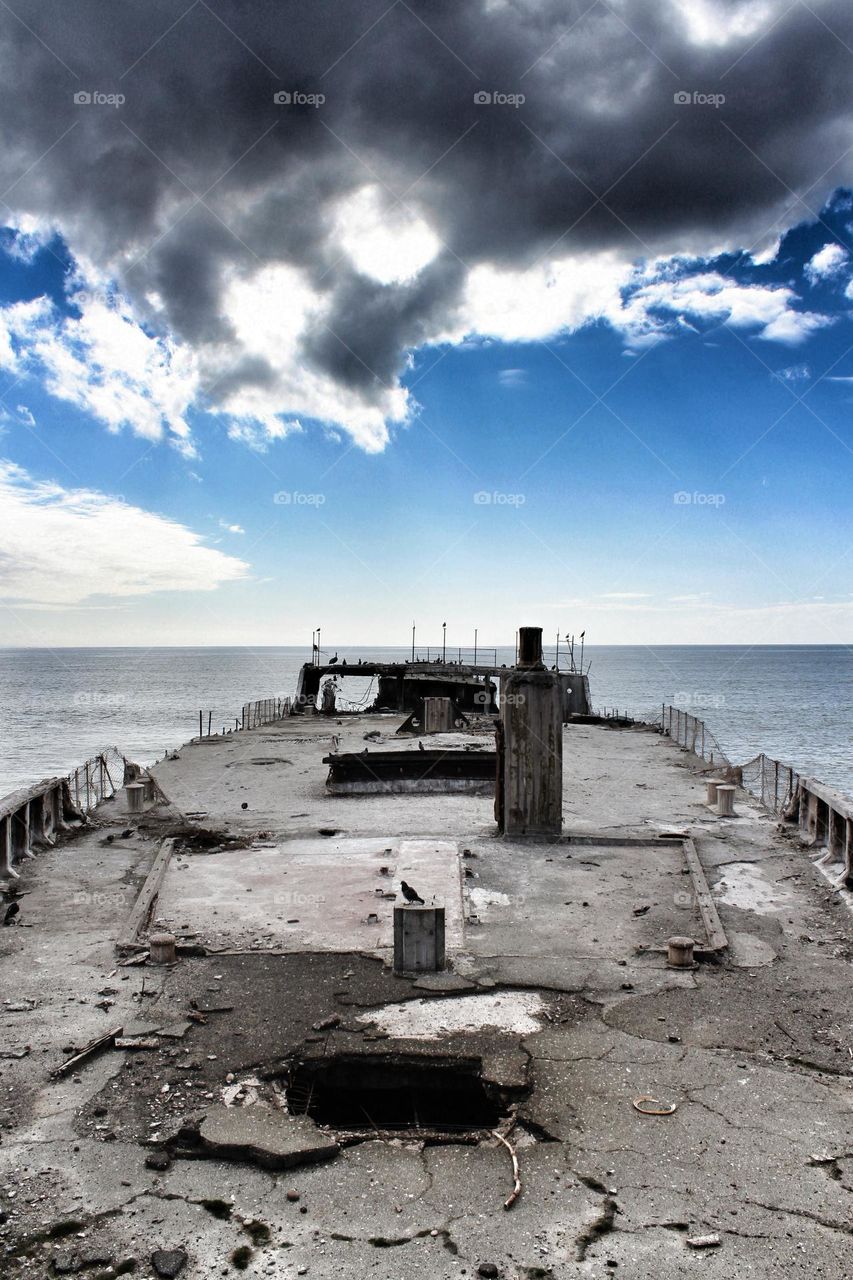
(530, 762)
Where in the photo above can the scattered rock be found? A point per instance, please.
(328, 1023)
(703, 1242)
(487, 1269)
(65, 1263)
(158, 1160)
(293, 1196)
(168, 1262)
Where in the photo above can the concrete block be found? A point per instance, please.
(418, 939)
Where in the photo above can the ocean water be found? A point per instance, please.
(60, 706)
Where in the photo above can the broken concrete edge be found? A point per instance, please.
(269, 1139)
(141, 909)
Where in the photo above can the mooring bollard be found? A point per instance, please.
(418, 939)
(712, 784)
(161, 948)
(135, 796)
(725, 799)
(148, 790)
(679, 953)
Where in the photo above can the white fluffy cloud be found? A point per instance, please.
(827, 262)
(65, 546)
(104, 363)
(645, 304)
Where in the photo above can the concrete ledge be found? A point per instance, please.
(142, 907)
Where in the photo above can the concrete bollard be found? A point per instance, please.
(418, 939)
(149, 790)
(135, 796)
(161, 948)
(725, 799)
(679, 953)
(712, 784)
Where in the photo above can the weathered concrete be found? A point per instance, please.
(753, 1050)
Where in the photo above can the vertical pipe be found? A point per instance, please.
(209, 718)
(200, 728)
(475, 646)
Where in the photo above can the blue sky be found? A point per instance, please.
(421, 406)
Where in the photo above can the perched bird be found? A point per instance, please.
(11, 911)
(421, 746)
(126, 834)
(409, 893)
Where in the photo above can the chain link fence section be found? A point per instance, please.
(100, 778)
(694, 735)
(775, 784)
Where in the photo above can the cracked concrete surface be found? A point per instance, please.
(753, 1050)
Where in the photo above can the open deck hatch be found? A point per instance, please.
(415, 1093)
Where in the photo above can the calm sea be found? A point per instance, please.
(60, 706)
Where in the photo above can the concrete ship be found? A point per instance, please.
(473, 983)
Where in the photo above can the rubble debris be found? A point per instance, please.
(703, 1242)
(160, 1161)
(137, 1042)
(168, 1263)
(94, 1047)
(327, 1023)
(488, 1269)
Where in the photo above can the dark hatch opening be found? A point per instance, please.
(370, 1093)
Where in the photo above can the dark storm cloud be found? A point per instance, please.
(200, 174)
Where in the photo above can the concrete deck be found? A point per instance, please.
(557, 988)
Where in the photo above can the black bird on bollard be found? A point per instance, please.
(409, 893)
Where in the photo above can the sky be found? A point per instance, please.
(364, 313)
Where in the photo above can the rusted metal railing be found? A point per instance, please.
(265, 711)
(33, 816)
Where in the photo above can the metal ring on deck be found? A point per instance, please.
(653, 1106)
